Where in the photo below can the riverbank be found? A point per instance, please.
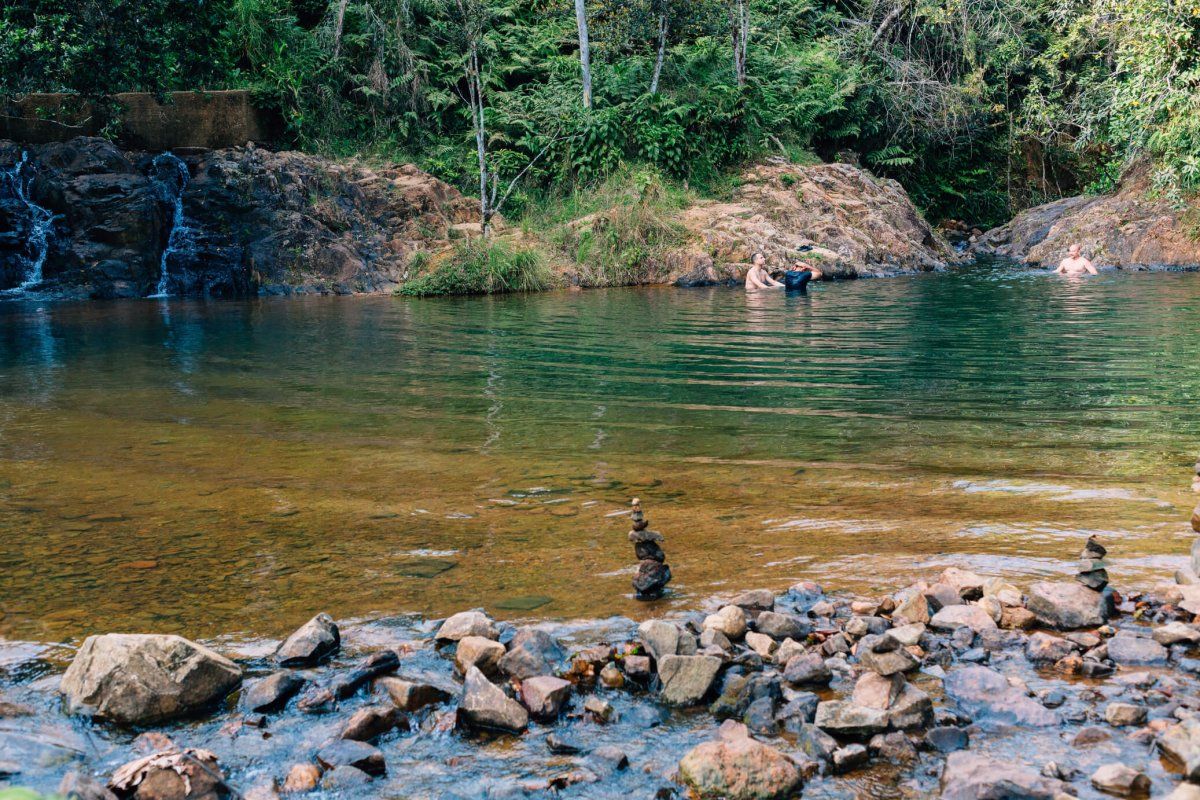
(959, 685)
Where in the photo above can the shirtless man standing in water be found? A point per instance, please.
(1075, 263)
(758, 277)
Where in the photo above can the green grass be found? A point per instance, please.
(484, 268)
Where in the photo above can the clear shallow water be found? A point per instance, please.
(231, 468)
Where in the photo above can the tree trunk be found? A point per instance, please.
(337, 29)
(475, 95)
(585, 60)
(663, 21)
(739, 12)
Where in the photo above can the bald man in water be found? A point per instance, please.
(1075, 263)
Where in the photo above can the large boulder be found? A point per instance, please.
(1129, 650)
(737, 767)
(485, 705)
(968, 776)
(531, 652)
(951, 618)
(984, 692)
(1066, 606)
(315, 641)
(660, 638)
(140, 679)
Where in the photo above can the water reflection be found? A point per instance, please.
(846, 435)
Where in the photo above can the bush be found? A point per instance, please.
(484, 268)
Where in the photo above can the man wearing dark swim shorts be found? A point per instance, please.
(796, 279)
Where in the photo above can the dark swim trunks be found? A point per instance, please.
(797, 280)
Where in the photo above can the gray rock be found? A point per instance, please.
(1177, 632)
(711, 637)
(894, 747)
(349, 753)
(272, 692)
(1181, 744)
(815, 742)
(780, 626)
(466, 623)
(730, 620)
(485, 705)
(1121, 780)
(608, 759)
(850, 757)
(531, 652)
(1041, 648)
(968, 776)
(755, 600)
(476, 651)
(808, 669)
(913, 609)
(141, 679)
(1129, 649)
(967, 584)
(659, 638)
(799, 709)
(545, 696)
(413, 695)
(686, 680)
(982, 691)
(314, 642)
(1066, 606)
(911, 709)
(1122, 714)
(849, 721)
(892, 662)
(81, 786)
(947, 738)
(942, 595)
(873, 690)
(953, 617)
(344, 777)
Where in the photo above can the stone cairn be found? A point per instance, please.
(653, 573)
(1092, 566)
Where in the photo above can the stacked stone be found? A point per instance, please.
(653, 573)
(882, 693)
(1092, 566)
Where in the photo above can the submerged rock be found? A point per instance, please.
(980, 690)
(314, 642)
(1129, 649)
(272, 692)
(1181, 744)
(140, 679)
(349, 753)
(968, 776)
(413, 695)
(738, 767)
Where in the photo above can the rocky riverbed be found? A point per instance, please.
(960, 685)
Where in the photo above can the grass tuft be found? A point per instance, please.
(478, 267)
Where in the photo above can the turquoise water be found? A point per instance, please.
(233, 467)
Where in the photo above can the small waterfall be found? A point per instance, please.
(41, 221)
(181, 235)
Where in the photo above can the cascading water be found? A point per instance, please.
(41, 221)
(180, 235)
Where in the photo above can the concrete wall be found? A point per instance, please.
(185, 120)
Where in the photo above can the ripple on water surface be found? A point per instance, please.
(263, 460)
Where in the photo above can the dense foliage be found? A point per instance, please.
(979, 106)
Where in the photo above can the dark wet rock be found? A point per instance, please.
(660, 638)
(801, 708)
(894, 747)
(466, 623)
(649, 550)
(189, 774)
(485, 705)
(561, 744)
(476, 651)
(1181, 744)
(1122, 714)
(349, 753)
(1095, 669)
(81, 786)
(1066, 606)
(371, 722)
(686, 680)
(947, 738)
(807, 670)
(651, 579)
(844, 719)
(838, 643)
(344, 777)
(272, 692)
(739, 768)
(1087, 737)
(815, 743)
(780, 626)
(371, 667)
(531, 652)
(140, 679)
(962, 639)
(637, 667)
(1121, 780)
(1043, 648)
(951, 618)
(413, 695)
(1129, 649)
(850, 757)
(611, 677)
(980, 690)
(315, 641)
(884, 656)
(968, 776)
(1052, 697)
(760, 717)
(976, 655)
(912, 709)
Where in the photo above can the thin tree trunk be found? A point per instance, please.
(585, 60)
(337, 30)
(475, 90)
(739, 12)
(663, 21)
(891, 19)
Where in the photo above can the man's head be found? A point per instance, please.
(1073, 251)
(758, 259)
